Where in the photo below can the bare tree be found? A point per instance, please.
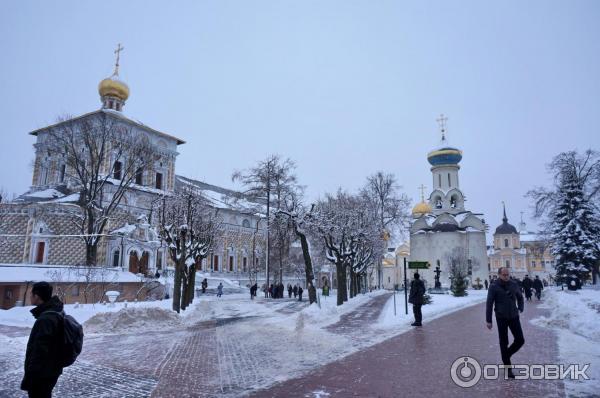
(102, 157)
(390, 205)
(267, 183)
(351, 237)
(299, 219)
(189, 226)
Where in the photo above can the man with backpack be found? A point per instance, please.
(54, 342)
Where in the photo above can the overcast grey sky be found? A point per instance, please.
(344, 88)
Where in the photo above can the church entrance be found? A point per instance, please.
(143, 263)
(133, 262)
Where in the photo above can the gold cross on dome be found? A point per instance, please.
(118, 52)
(422, 188)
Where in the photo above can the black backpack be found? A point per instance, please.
(72, 342)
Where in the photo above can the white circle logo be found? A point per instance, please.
(465, 372)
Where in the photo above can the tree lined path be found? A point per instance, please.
(417, 363)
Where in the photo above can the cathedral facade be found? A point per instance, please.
(443, 231)
(39, 226)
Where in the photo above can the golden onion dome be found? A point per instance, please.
(421, 209)
(113, 87)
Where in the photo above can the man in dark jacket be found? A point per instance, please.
(42, 359)
(300, 291)
(506, 298)
(538, 286)
(417, 290)
(527, 285)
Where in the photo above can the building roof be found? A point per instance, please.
(505, 228)
(16, 273)
(119, 115)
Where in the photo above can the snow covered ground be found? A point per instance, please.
(292, 336)
(576, 318)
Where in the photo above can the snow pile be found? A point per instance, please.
(330, 312)
(132, 319)
(442, 304)
(575, 311)
(575, 316)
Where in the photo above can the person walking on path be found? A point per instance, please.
(527, 285)
(289, 290)
(43, 363)
(300, 290)
(417, 290)
(253, 290)
(295, 290)
(538, 286)
(506, 299)
(204, 285)
(220, 289)
(485, 282)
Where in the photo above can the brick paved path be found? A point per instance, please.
(356, 324)
(417, 363)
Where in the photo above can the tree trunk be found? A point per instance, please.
(308, 268)
(352, 283)
(91, 252)
(177, 286)
(185, 284)
(339, 270)
(192, 284)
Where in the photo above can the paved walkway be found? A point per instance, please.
(417, 363)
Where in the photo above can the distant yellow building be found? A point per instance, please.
(393, 266)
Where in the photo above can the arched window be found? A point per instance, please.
(507, 263)
(246, 223)
(453, 201)
(449, 183)
(116, 258)
(439, 180)
(505, 242)
(437, 201)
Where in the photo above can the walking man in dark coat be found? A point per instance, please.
(527, 285)
(42, 359)
(300, 291)
(506, 299)
(289, 289)
(417, 290)
(538, 286)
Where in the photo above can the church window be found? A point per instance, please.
(505, 242)
(231, 263)
(75, 291)
(139, 176)
(439, 180)
(453, 202)
(62, 173)
(117, 169)
(116, 258)
(449, 183)
(39, 252)
(543, 263)
(215, 263)
(244, 263)
(470, 267)
(533, 264)
(159, 258)
(507, 263)
(158, 181)
(246, 223)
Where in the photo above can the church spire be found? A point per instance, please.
(504, 219)
(442, 123)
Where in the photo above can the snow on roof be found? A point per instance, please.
(16, 273)
(220, 197)
(125, 229)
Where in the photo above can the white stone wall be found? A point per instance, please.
(434, 246)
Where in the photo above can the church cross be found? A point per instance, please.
(442, 122)
(118, 52)
(422, 188)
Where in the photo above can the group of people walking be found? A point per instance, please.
(527, 285)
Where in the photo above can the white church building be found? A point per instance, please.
(443, 230)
